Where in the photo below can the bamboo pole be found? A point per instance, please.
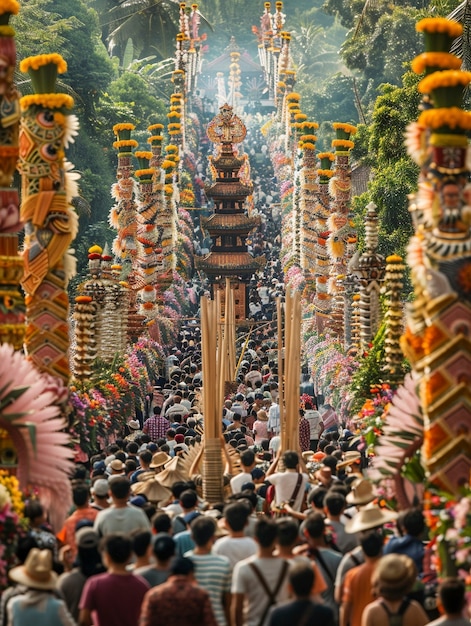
(281, 373)
(213, 489)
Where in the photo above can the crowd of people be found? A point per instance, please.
(299, 538)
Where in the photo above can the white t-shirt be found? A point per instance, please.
(239, 480)
(244, 580)
(285, 484)
(235, 548)
(315, 421)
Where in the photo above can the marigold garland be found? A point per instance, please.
(153, 127)
(47, 100)
(449, 78)
(125, 143)
(12, 485)
(145, 173)
(325, 173)
(7, 31)
(342, 143)
(347, 128)
(171, 148)
(307, 146)
(35, 62)
(124, 126)
(443, 60)
(155, 139)
(439, 25)
(308, 138)
(448, 117)
(9, 6)
(326, 155)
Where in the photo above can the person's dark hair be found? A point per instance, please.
(121, 456)
(165, 448)
(301, 578)
(171, 433)
(372, 543)
(178, 488)
(288, 532)
(236, 515)
(451, 592)
(145, 438)
(33, 510)
(157, 410)
(334, 502)
(118, 547)
(132, 448)
(89, 561)
(290, 459)
(24, 545)
(80, 494)
(330, 461)
(250, 497)
(202, 530)
(330, 449)
(80, 472)
(182, 566)
(188, 499)
(317, 496)
(120, 487)
(145, 456)
(164, 548)
(266, 532)
(130, 466)
(314, 525)
(113, 448)
(247, 458)
(413, 522)
(161, 522)
(140, 541)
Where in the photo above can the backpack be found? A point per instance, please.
(395, 619)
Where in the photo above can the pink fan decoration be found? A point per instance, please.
(34, 423)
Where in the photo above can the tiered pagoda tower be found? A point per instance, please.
(229, 226)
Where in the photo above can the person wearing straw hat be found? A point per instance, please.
(393, 579)
(368, 518)
(38, 606)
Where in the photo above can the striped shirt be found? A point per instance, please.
(213, 573)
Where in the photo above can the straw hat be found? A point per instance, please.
(152, 489)
(174, 471)
(159, 459)
(36, 572)
(369, 517)
(395, 573)
(361, 493)
(262, 415)
(349, 458)
(134, 424)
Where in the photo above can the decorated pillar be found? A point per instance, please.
(341, 242)
(370, 272)
(322, 300)
(12, 307)
(49, 219)
(437, 338)
(394, 320)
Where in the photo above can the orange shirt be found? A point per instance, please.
(66, 535)
(357, 590)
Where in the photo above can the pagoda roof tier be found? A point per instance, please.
(228, 162)
(230, 223)
(230, 263)
(228, 190)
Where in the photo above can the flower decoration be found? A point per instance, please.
(434, 61)
(41, 60)
(47, 100)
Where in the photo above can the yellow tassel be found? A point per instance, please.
(335, 247)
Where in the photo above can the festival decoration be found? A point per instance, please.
(36, 429)
(392, 368)
(50, 221)
(341, 242)
(12, 308)
(229, 227)
(436, 340)
(322, 212)
(369, 268)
